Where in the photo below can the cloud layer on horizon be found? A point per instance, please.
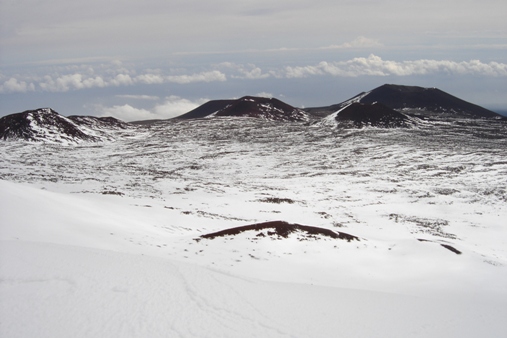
(67, 54)
(115, 74)
(172, 106)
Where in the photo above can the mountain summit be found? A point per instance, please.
(429, 101)
(249, 106)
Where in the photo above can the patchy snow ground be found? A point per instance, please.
(101, 239)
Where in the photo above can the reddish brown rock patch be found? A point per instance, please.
(281, 229)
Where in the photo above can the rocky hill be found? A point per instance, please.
(418, 100)
(249, 106)
(358, 115)
(46, 125)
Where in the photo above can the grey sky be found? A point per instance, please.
(159, 57)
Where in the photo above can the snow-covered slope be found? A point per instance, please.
(103, 239)
(86, 270)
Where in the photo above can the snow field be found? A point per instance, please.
(100, 239)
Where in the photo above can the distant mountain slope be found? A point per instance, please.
(46, 125)
(206, 109)
(433, 99)
(399, 97)
(249, 106)
(105, 123)
(374, 115)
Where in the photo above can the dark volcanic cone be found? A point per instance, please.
(46, 125)
(431, 100)
(40, 125)
(359, 115)
(206, 109)
(249, 106)
(282, 229)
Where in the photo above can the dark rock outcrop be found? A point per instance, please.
(282, 229)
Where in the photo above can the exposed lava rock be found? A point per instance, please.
(249, 106)
(451, 248)
(447, 246)
(375, 115)
(282, 229)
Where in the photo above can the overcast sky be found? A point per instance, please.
(160, 58)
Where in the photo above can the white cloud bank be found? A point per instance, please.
(359, 42)
(85, 80)
(173, 106)
(138, 97)
(127, 113)
(375, 66)
(211, 76)
(372, 65)
(240, 71)
(14, 85)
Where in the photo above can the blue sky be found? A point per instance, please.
(158, 59)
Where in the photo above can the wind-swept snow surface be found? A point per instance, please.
(51, 290)
(108, 239)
